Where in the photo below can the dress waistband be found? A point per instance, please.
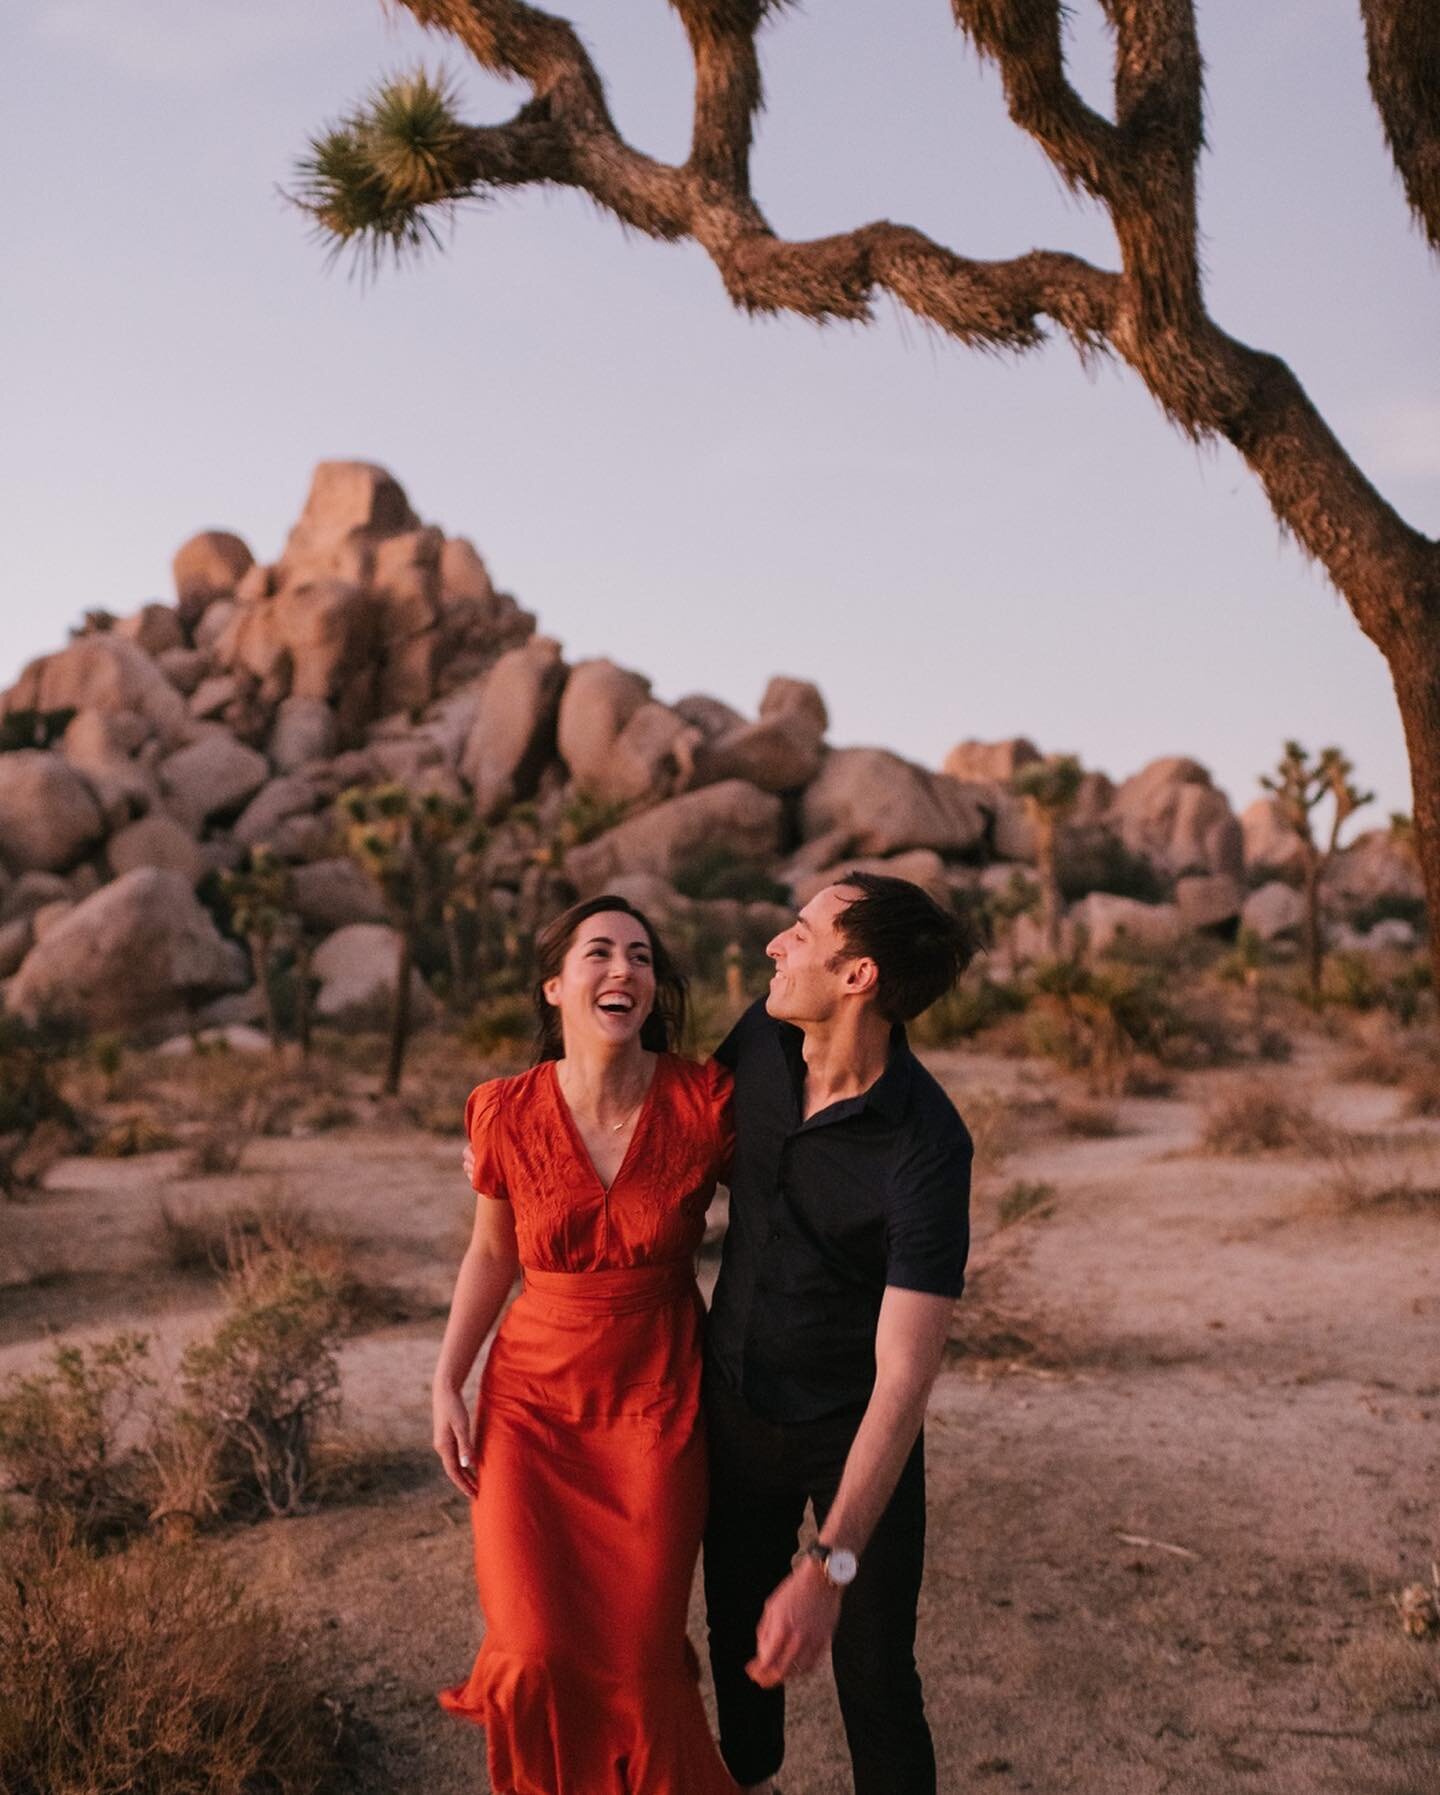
(621, 1290)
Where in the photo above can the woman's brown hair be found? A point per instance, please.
(662, 1031)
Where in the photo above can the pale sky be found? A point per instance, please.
(951, 545)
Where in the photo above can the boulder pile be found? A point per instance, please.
(157, 748)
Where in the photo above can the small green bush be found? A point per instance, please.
(719, 872)
(1025, 1197)
(1106, 864)
(60, 1435)
(967, 1010)
(268, 1377)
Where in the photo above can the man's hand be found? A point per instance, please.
(469, 1164)
(797, 1624)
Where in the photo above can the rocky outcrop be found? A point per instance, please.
(884, 805)
(376, 649)
(513, 734)
(665, 839)
(1171, 813)
(1274, 910)
(356, 967)
(134, 956)
(48, 814)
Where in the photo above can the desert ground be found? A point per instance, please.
(1184, 1455)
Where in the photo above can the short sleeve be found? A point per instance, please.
(720, 1098)
(482, 1129)
(928, 1220)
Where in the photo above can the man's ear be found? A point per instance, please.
(861, 977)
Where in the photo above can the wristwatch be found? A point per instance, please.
(839, 1563)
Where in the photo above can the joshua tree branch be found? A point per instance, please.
(1142, 168)
(1402, 41)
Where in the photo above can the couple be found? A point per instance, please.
(586, 1459)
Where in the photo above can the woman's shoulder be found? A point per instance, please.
(704, 1080)
(499, 1096)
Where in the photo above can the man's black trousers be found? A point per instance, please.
(761, 1477)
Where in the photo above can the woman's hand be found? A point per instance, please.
(454, 1439)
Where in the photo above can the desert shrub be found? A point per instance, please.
(1097, 1020)
(1090, 1120)
(1106, 864)
(1144, 1076)
(1421, 1083)
(216, 1151)
(500, 1025)
(128, 1136)
(192, 1238)
(1350, 981)
(31, 1101)
(267, 1378)
(968, 1009)
(149, 1672)
(719, 872)
(1258, 1117)
(992, 1121)
(1024, 1197)
(60, 1434)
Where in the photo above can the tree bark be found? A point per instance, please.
(1415, 668)
(260, 961)
(400, 1013)
(302, 995)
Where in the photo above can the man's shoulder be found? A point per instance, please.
(933, 1120)
(755, 1030)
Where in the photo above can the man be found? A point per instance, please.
(844, 1256)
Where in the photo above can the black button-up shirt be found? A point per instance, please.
(824, 1214)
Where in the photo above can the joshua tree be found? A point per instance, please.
(1299, 785)
(421, 852)
(259, 895)
(1049, 789)
(377, 179)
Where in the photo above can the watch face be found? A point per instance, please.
(841, 1567)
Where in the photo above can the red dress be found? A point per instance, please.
(591, 1454)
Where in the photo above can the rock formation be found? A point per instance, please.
(377, 649)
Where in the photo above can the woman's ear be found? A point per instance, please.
(551, 989)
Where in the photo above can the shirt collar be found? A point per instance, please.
(888, 1095)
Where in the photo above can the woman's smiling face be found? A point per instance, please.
(605, 988)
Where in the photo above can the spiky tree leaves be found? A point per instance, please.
(1299, 786)
(423, 853)
(261, 910)
(372, 179)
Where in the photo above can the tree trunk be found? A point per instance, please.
(1313, 947)
(302, 995)
(1415, 667)
(1051, 901)
(455, 954)
(260, 960)
(400, 1013)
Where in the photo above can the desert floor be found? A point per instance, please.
(1186, 1450)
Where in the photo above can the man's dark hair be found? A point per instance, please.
(919, 947)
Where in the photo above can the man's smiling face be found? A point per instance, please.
(812, 960)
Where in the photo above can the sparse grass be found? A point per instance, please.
(1386, 1672)
(1259, 1117)
(991, 1120)
(150, 1672)
(1144, 1076)
(1364, 1177)
(1025, 1197)
(1089, 1119)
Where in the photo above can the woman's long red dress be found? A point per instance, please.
(591, 1455)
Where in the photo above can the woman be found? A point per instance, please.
(585, 1462)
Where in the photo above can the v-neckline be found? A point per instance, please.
(577, 1140)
